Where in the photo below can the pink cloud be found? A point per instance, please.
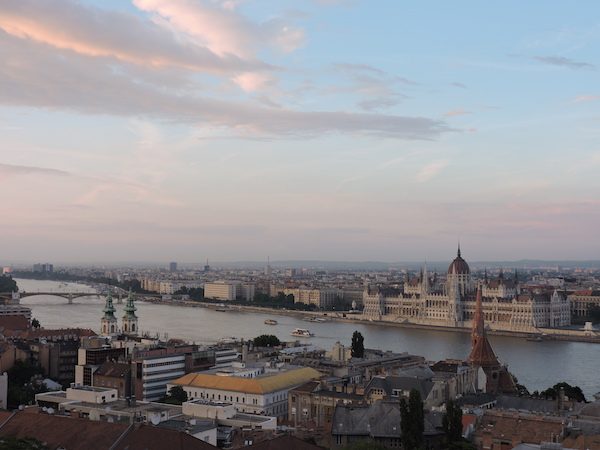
(83, 29)
(586, 98)
(456, 112)
(220, 28)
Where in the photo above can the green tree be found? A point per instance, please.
(24, 381)
(7, 284)
(176, 396)
(452, 422)
(412, 421)
(594, 313)
(358, 345)
(266, 340)
(573, 392)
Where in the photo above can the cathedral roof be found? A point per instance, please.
(459, 265)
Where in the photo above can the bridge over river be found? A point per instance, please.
(70, 296)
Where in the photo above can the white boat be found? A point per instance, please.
(270, 322)
(301, 332)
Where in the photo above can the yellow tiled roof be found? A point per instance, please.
(260, 385)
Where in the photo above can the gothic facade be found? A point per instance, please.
(452, 302)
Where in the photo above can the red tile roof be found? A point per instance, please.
(285, 443)
(148, 437)
(67, 432)
(82, 434)
(19, 322)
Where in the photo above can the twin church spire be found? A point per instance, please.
(108, 323)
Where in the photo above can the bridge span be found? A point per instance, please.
(69, 296)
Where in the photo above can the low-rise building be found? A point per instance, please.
(114, 375)
(499, 430)
(257, 390)
(582, 301)
(91, 358)
(313, 404)
(378, 422)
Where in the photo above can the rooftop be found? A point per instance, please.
(269, 382)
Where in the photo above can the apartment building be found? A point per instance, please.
(153, 369)
(230, 290)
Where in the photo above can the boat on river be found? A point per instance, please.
(302, 332)
(270, 322)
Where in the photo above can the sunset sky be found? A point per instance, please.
(154, 130)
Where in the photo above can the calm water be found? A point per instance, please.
(537, 365)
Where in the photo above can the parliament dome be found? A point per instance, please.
(459, 265)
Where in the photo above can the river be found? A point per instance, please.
(537, 365)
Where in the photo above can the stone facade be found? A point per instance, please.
(451, 302)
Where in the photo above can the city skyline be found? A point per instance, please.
(322, 130)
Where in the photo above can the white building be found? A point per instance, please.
(229, 290)
(249, 389)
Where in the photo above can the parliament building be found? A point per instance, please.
(451, 302)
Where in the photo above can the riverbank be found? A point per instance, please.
(541, 334)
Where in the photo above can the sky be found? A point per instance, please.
(151, 130)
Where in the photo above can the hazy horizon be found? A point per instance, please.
(330, 130)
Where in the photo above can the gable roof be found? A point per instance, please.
(67, 432)
(112, 369)
(391, 383)
(377, 420)
(148, 437)
(259, 385)
(83, 434)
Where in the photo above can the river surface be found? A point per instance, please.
(537, 365)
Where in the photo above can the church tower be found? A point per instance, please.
(498, 379)
(108, 324)
(130, 320)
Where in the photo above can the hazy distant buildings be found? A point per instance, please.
(321, 298)
(229, 290)
(43, 268)
(172, 266)
(168, 287)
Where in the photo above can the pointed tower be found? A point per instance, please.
(498, 379)
(108, 324)
(130, 320)
(425, 281)
(481, 350)
(454, 300)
